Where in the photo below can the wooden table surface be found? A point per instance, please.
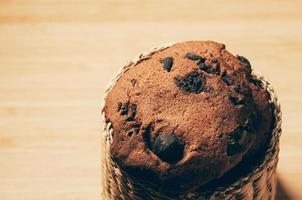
(57, 57)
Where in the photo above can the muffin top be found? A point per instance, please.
(186, 115)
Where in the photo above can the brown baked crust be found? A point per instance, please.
(198, 93)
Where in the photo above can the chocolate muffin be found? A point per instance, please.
(187, 115)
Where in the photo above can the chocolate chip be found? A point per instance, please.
(244, 60)
(192, 82)
(123, 108)
(168, 148)
(133, 82)
(227, 79)
(208, 68)
(128, 109)
(200, 61)
(233, 147)
(194, 57)
(237, 101)
(256, 82)
(167, 63)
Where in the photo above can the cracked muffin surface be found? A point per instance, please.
(186, 115)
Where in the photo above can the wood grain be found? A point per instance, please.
(57, 57)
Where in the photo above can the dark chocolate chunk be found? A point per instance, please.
(256, 82)
(167, 63)
(168, 148)
(233, 147)
(244, 60)
(200, 61)
(208, 68)
(237, 101)
(123, 108)
(192, 82)
(227, 79)
(194, 57)
(133, 82)
(128, 109)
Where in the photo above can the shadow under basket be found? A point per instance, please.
(259, 182)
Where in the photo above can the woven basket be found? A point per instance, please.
(259, 183)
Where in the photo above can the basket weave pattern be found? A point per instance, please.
(259, 183)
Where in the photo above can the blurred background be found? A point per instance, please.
(58, 56)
